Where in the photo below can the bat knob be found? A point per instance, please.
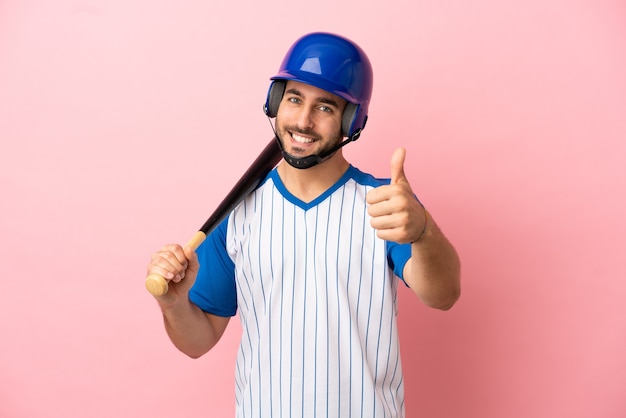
(156, 285)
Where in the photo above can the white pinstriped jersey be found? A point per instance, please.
(316, 294)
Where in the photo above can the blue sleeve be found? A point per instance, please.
(397, 256)
(214, 290)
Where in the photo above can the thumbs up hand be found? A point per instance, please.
(396, 213)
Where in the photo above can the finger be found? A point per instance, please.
(159, 270)
(178, 252)
(382, 222)
(379, 208)
(171, 264)
(397, 166)
(193, 265)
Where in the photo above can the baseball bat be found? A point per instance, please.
(258, 170)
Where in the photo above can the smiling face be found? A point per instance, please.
(309, 119)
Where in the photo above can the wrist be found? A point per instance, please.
(424, 228)
(170, 302)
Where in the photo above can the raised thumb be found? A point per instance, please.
(397, 166)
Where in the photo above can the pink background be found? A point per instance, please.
(124, 123)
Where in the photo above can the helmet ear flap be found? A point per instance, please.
(353, 121)
(349, 113)
(274, 97)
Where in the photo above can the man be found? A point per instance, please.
(311, 258)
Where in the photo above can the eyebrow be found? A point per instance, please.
(325, 100)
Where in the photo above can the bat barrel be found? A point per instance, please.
(258, 170)
(264, 163)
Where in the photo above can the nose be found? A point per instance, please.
(305, 118)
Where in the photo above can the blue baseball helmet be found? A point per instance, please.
(334, 64)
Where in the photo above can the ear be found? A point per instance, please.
(274, 97)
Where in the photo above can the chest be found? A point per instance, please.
(312, 255)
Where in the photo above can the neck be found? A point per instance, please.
(307, 184)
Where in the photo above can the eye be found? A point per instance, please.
(294, 99)
(325, 108)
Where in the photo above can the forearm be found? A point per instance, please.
(192, 331)
(433, 271)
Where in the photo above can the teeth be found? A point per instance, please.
(302, 139)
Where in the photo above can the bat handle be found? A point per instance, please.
(158, 285)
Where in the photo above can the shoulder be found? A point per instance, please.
(366, 179)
